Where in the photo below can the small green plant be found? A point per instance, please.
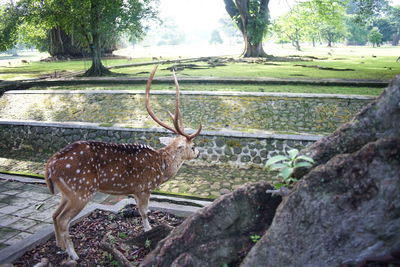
(147, 243)
(287, 164)
(122, 235)
(255, 238)
(109, 260)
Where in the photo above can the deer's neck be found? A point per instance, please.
(171, 162)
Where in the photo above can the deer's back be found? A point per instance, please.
(90, 166)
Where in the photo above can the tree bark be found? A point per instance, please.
(97, 68)
(238, 10)
(61, 44)
(380, 118)
(253, 50)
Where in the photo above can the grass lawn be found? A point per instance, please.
(232, 87)
(378, 64)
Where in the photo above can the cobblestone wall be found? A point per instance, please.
(226, 147)
(281, 113)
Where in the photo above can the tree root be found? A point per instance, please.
(107, 245)
(321, 68)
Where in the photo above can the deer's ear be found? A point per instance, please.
(166, 140)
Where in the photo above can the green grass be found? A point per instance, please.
(368, 63)
(232, 87)
(37, 69)
(382, 68)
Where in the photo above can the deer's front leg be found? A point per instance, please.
(142, 200)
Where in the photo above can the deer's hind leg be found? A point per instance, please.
(71, 208)
(142, 200)
(60, 208)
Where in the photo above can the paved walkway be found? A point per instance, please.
(25, 208)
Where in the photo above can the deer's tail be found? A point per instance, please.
(47, 177)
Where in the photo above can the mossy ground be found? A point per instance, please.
(306, 89)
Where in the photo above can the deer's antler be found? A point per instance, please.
(177, 117)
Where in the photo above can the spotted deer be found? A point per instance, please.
(85, 167)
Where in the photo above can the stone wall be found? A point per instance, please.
(226, 147)
(249, 112)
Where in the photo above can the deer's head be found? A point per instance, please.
(182, 145)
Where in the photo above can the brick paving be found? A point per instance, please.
(25, 208)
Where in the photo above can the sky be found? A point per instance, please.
(197, 19)
(201, 17)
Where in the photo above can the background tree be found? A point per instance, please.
(9, 21)
(394, 19)
(231, 30)
(90, 22)
(215, 37)
(252, 19)
(357, 33)
(375, 37)
(169, 33)
(366, 10)
(331, 14)
(292, 26)
(385, 27)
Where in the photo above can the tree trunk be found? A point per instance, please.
(60, 44)
(297, 45)
(97, 68)
(297, 40)
(240, 11)
(253, 50)
(395, 39)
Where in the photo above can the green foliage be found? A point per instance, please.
(367, 10)
(255, 238)
(287, 164)
(8, 26)
(331, 19)
(109, 260)
(386, 28)
(312, 20)
(375, 37)
(147, 243)
(257, 22)
(252, 19)
(122, 235)
(357, 33)
(294, 25)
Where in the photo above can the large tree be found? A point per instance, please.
(331, 16)
(95, 20)
(367, 10)
(8, 26)
(295, 25)
(90, 22)
(252, 19)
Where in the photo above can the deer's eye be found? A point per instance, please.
(193, 148)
